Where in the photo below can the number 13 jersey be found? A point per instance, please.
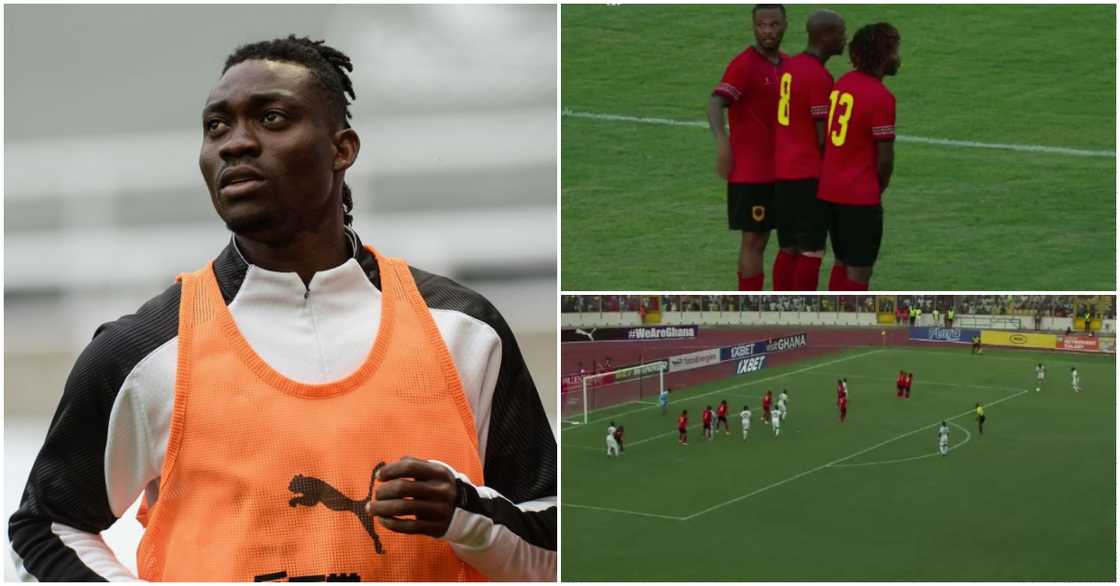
(861, 113)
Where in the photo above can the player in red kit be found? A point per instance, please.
(841, 392)
(721, 417)
(909, 383)
(843, 405)
(901, 383)
(745, 159)
(682, 428)
(859, 154)
(707, 418)
(804, 85)
(767, 400)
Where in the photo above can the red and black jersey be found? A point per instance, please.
(750, 84)
(803, 90)
(901, 380)
(682, 422)
(767, 401)
(861, 114)
(909, 380)
(707, 418)
(843, 403)
(722, 411)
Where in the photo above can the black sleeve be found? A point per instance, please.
(520, 458)
(67, 481)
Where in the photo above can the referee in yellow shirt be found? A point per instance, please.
(980, 417)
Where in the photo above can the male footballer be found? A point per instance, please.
(745, 158)
(859, 155)
(804, 86)
(301, 408)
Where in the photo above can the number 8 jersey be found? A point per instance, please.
(861, 113)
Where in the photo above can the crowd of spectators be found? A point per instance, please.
(1098, 306)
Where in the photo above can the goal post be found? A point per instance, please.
(617, 387)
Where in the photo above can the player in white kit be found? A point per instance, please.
(783, 403)
(745, 414)
(612, 443)
(1076, 379)
(943, 439)
(776, 422)
(1040, 374)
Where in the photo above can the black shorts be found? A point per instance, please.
(723, 419)
(799, 216)
(857, 232)
(748, 206)
(982, 419)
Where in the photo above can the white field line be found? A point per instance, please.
(737, 386)
(968, 436)
(624, 511)
(839, 460)
(1026, 148)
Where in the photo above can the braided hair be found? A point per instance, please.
(329, 66)
(872, 46)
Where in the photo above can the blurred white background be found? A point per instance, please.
(104, 203)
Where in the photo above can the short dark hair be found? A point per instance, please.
(758, 7)
(329, 66)
(872, 46)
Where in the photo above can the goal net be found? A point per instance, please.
(625, 385)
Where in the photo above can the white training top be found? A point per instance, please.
(746, 415)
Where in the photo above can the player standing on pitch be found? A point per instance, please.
(767, 402)
(842, 403)
(682, 428)
(1040, 376)
(612, 440)
(901, 383)
(749, 92)
(980, 418)
(706, 418)
(721, 418)
(803, 89)
(1076, 379)
(909, 383)
(745, 415)
(859, 154)
(943, 439)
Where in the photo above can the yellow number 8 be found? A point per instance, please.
(783, 104)
(848, 102)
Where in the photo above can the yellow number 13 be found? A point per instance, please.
(783, 103)
(847, 101)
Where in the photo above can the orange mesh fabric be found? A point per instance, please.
(266, 478)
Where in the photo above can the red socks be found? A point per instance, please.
(751, 283)
(854, 286)
(784, 266)
(838, 278)
(806, 275)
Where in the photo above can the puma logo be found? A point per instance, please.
(590, 334)
(311, 491)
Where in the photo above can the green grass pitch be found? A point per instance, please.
(642, 208)
(1033, 499)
